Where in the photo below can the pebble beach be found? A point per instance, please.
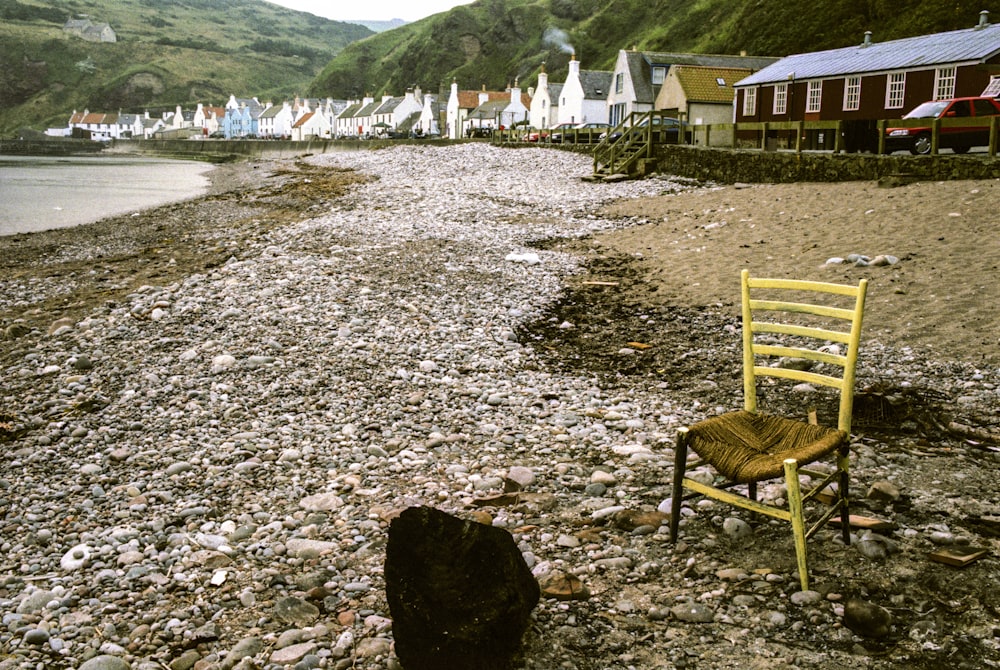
(204, 472)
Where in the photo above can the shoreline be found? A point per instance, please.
(45, 193)
(64, 272)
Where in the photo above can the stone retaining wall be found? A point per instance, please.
(720, 165)
(731, 166)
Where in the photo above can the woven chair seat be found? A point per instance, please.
(747, 447)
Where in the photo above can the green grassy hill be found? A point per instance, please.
(489, 42)
(183, 52)
(169, 52)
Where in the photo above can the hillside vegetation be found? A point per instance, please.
(183, 52)
(490, 42)
(169, 52)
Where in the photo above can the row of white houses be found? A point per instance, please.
(586, 96)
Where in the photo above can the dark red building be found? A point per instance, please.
(873, 80)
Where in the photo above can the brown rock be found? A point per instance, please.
(867, 619)
(562, 586)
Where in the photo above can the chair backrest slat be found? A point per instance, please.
(841, 324)
(799, 352)
(803, 285)
(802, 331)
(802, 308)
(800, 376)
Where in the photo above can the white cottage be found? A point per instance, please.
(584, 96)
(544, 111)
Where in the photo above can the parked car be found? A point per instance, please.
(535, 136)
(585, 133)
(958, 139)
(666, 130)
(479, 132)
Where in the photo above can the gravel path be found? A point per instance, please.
(204, 471)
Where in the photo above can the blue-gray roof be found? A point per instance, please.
(971, 45)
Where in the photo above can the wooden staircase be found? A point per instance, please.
(624, 148)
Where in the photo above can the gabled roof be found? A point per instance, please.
(303, 119)
(389, 106)
(94, 118)
(338, 106)
(368, 109)
(642, 79)
(271, 112)
(640, 64)
(595, 83)
(709, 60)
(351, 111)
(970, 45)
(702, 84)
(470, 99)
(490, 109)
(252, 105)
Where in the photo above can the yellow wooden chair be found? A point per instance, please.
(819, 332)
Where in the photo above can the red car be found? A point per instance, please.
(535, 136)
(959, 140)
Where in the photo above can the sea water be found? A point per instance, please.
(45, 192)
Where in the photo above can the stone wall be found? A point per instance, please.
(731, 166)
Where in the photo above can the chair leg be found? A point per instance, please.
(680, 466)
(798, 523)
(845, 512)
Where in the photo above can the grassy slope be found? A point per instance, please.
(169, 52)
(490, 41)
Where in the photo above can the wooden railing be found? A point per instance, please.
(800, 132)
(636, 135)
(634, 138)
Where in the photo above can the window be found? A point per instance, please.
(659, 73)
(983, 108)
(619, 83)
(814, 96)
(993, 89)
(749, 102)
(852, 94)
(617, 113)
(944, 83)
(720, 81)
(780, 98)
(961, 109)
(895, 90)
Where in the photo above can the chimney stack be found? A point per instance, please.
(984, 19)
(868, 39)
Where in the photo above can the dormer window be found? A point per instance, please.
(659, 73)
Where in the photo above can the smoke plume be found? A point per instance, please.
(558, 38)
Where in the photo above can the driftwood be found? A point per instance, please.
(972, 433)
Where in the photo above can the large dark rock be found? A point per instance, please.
(459, 592)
